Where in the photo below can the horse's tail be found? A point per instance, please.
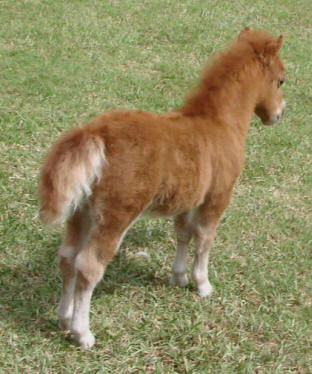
(74, 163)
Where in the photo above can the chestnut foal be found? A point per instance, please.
(102, 176)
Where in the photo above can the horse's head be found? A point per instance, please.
(270, 104)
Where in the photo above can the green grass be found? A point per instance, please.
(64, 62)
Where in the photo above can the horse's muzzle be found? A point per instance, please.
(277, 115)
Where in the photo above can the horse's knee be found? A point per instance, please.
(66, 261)
(67, 254)
(89, 269)
(67, 268)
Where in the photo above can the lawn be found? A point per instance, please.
(62, 63)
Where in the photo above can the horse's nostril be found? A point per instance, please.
(278, 116)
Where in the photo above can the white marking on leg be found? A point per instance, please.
(200, 273)
(66, 305)
(200, 269)
(179, 277)
(68, 253)
(184, 235)
(86, 264)
(80, 322)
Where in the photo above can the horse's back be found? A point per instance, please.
(155, 160)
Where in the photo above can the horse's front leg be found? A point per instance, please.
(184, 234)
(203, 235)
(204, 229)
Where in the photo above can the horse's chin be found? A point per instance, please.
(274, 119)
(268, 121)
(271, 122)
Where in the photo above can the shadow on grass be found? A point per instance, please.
(30, 292)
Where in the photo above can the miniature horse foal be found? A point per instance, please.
(102, 176)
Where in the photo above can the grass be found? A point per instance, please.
(64, 62)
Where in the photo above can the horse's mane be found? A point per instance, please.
(241, 55)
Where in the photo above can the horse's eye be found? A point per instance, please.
(280, 82)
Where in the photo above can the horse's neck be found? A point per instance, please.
(231, 104)
(237, 104)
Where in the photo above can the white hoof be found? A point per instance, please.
(205, 290)
(178, 280)
(87, 340)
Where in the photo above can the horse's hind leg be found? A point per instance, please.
(184, 235)
(76, 235)
(90, 264)
(90, 270)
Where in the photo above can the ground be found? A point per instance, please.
(64, 62)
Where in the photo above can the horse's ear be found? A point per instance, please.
(243, 33)
(273, 47)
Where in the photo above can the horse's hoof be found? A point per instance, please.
(86, 341)
(205, 290)
(177, 280)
